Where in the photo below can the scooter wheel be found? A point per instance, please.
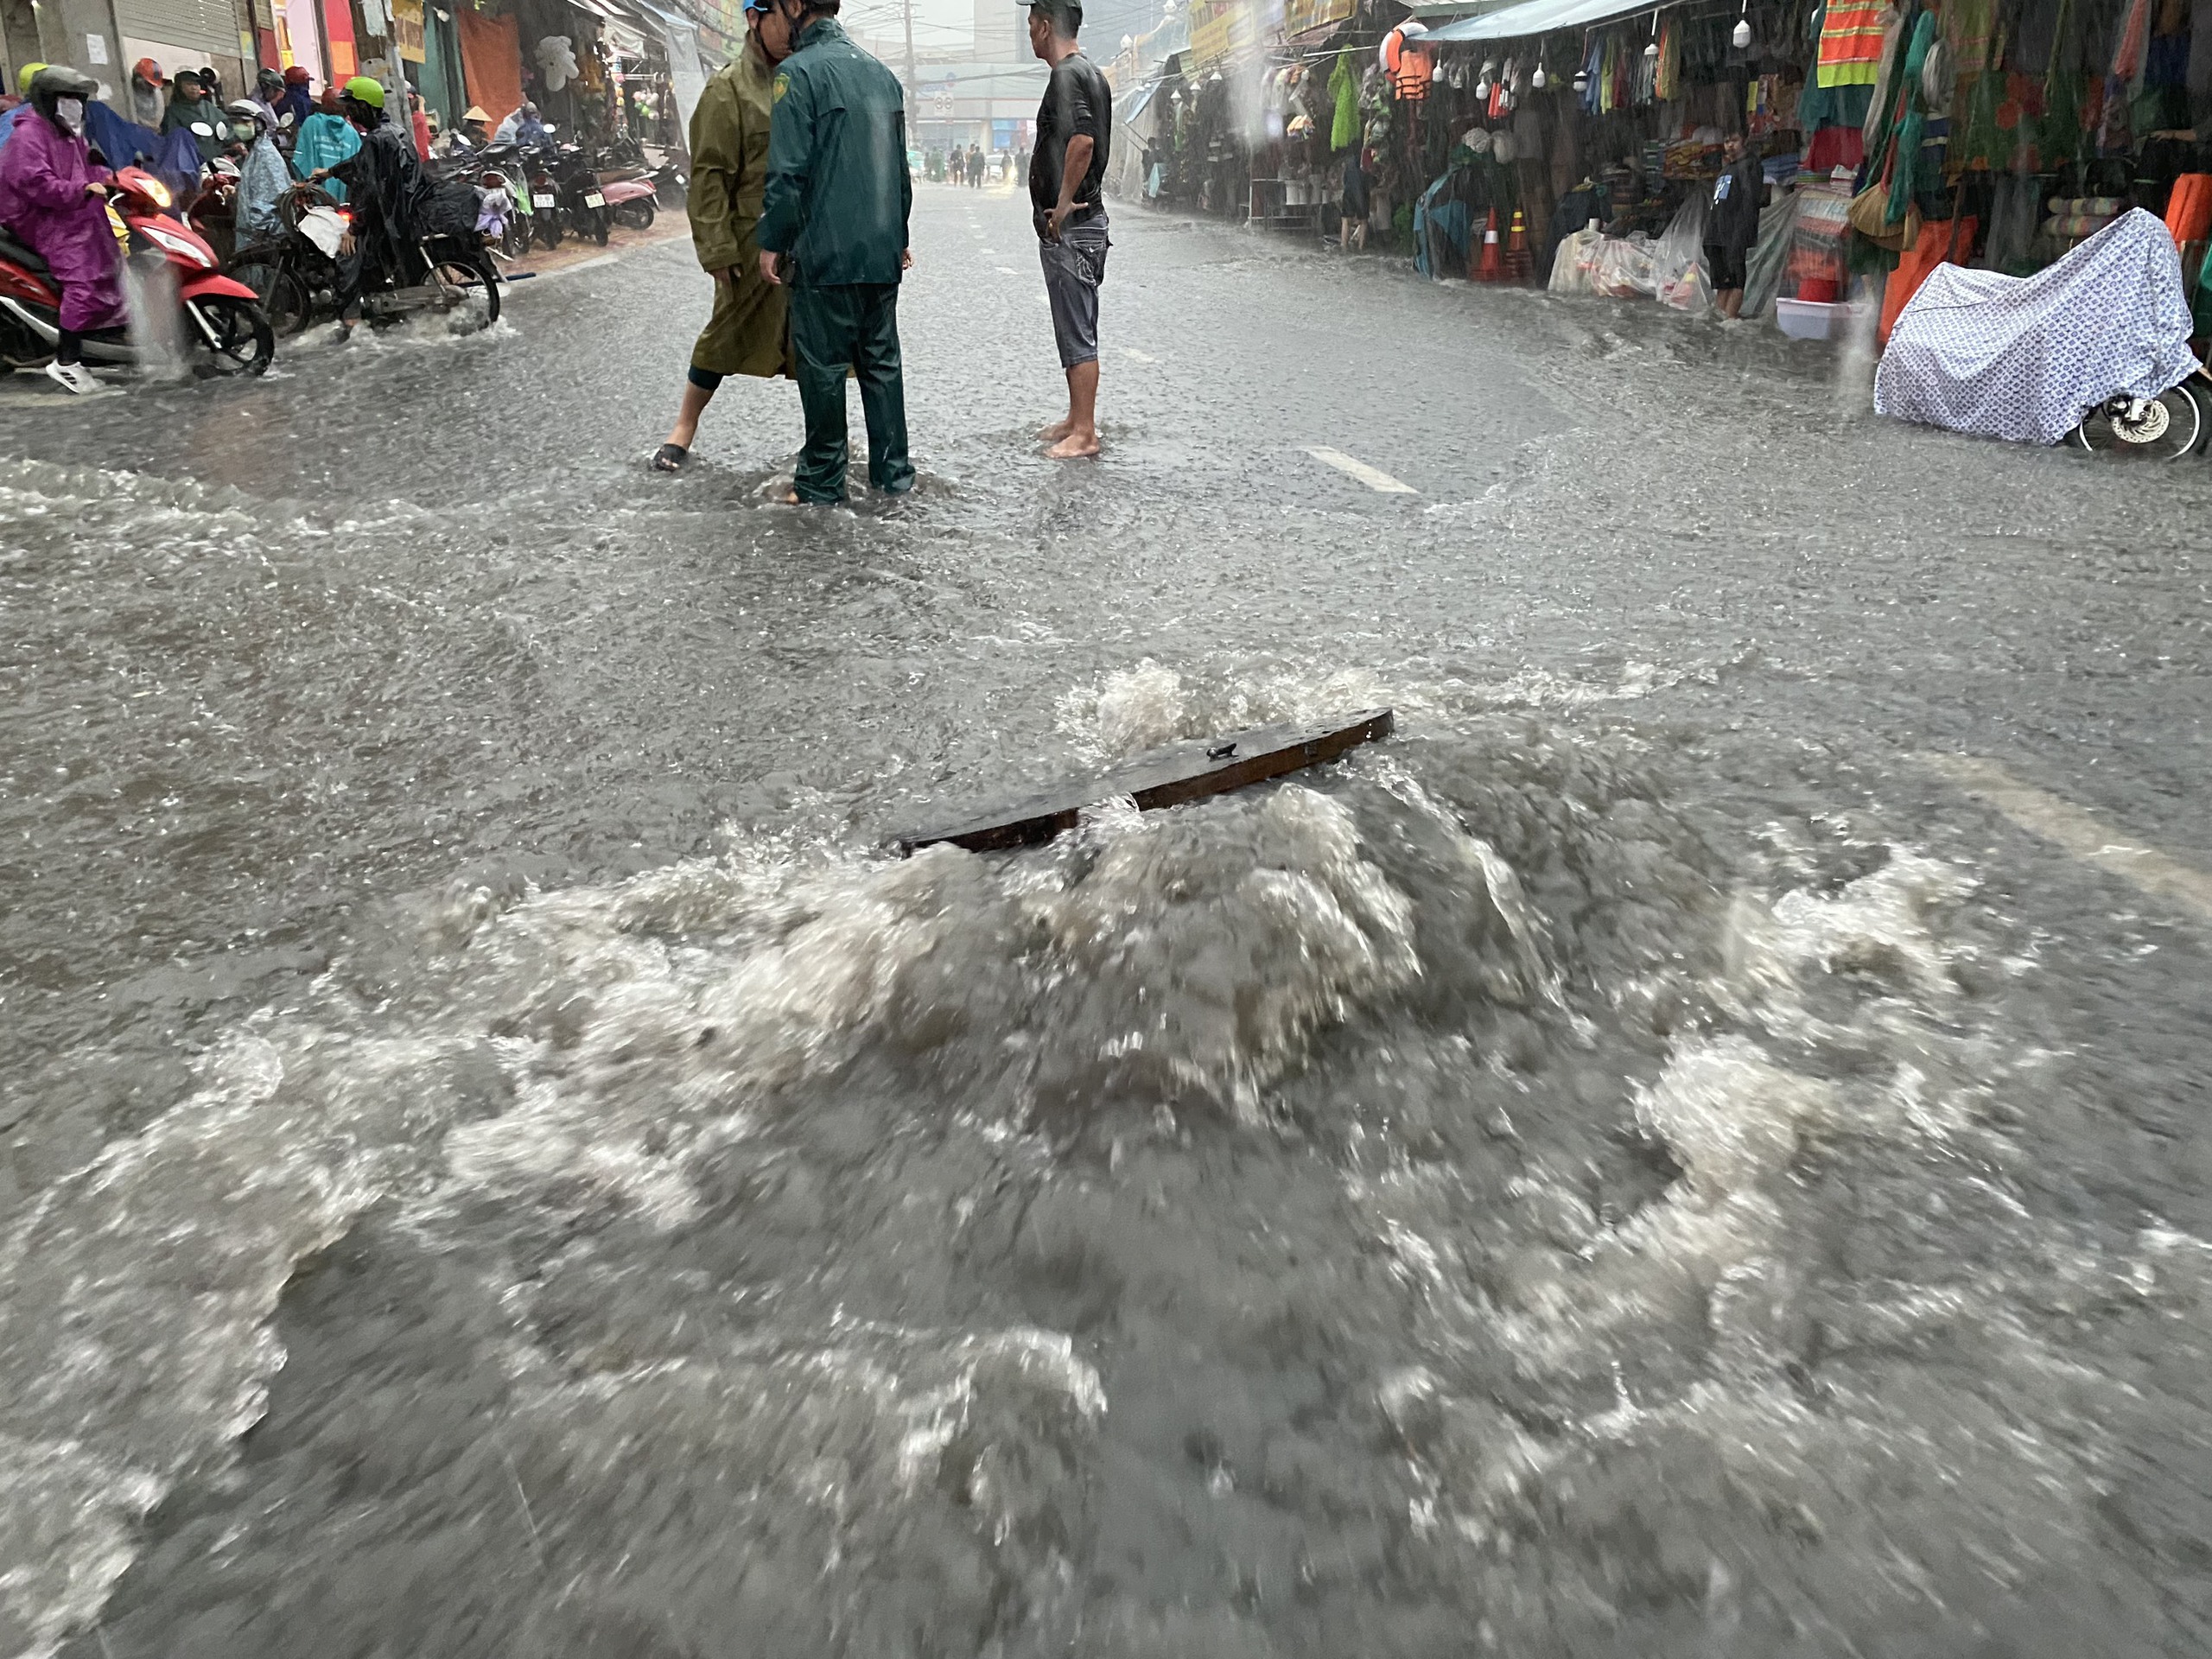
(602, 222)
(236, 336)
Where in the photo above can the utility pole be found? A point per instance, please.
(913, 98)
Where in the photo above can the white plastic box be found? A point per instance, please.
(1811, 319)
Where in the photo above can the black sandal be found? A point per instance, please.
(670, 458)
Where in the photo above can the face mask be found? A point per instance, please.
(70, 112)
(243, 132)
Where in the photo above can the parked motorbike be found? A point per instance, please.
(2092, 350)
(631, 201)
(222, 317)
(544, 196)
(583, 202)
(627, 159)
(475, 167)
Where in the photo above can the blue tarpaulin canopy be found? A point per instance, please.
(1532, 17)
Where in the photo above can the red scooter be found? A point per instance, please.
(221, 324)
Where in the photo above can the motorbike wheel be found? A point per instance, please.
(2166, 427)
(284, 299)
(602, 222)
(242, 340)
(545, 227)
(638, 214)
(480, 309)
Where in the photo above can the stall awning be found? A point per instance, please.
(1534, 17)
(686, 76)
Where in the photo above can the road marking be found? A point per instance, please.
(1374, 477)
(1008, 269)
(1136, 356)
(2087, 837)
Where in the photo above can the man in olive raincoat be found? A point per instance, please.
(749, 332)
(833, 228)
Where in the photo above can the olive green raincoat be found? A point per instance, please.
(749, 332)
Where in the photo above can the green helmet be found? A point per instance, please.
(364, 89)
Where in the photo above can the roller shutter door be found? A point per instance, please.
(209, 26)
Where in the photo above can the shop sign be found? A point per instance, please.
(1220, 29)
(1300, 16)
(407, 28)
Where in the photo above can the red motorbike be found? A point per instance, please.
(221, 328)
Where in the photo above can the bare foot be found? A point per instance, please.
(1057, 430)
(1075, 445)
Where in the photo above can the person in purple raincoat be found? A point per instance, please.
(53, 200)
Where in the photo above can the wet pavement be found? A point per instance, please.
(1695, 1146)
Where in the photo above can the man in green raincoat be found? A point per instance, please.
(833, 228)
(749, 332)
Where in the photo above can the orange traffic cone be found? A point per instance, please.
(1519, 263)
(1489, 271)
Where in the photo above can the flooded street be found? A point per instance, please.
(1695, 1146)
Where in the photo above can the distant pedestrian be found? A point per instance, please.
(749, 332)
(833, 228)
(976, 166)
(1067, 205)
(1021, 168)
(1733, 224)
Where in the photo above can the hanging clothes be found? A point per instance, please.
(1851, 42)
(1344, 88)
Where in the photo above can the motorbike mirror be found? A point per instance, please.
(549, 127)
(200, 128)
(285, 119)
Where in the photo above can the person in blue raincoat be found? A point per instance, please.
(263, 176)
(8, 118)
(326, 138)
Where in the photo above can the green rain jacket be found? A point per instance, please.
(838, 193)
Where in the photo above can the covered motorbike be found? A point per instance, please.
(2095, 348)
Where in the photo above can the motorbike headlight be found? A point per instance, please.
(156, 192)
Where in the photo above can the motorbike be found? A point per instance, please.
(473, 166)
(221, 317)
(626, 159)
(631, 201)
(302, 279)
(583, 201)
(296, 273)
(2092, 351)
(543, 196)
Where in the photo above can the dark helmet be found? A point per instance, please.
(57, 81)
(271, 79)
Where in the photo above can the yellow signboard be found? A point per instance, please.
(1219, 29)
(407, 28)
(1300, 16)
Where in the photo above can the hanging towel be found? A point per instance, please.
(1851, 42)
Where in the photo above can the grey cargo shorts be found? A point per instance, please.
(1074, 267)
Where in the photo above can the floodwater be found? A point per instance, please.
(501, 1161)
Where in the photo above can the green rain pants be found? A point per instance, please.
(832, 328)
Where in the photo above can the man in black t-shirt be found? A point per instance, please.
(1075, 132)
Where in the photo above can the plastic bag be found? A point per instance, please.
(1571, 264)
(1677, 279)
(1620, 267)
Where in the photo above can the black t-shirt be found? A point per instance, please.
(1077, 100)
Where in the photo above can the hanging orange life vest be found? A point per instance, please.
(1408, 66)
